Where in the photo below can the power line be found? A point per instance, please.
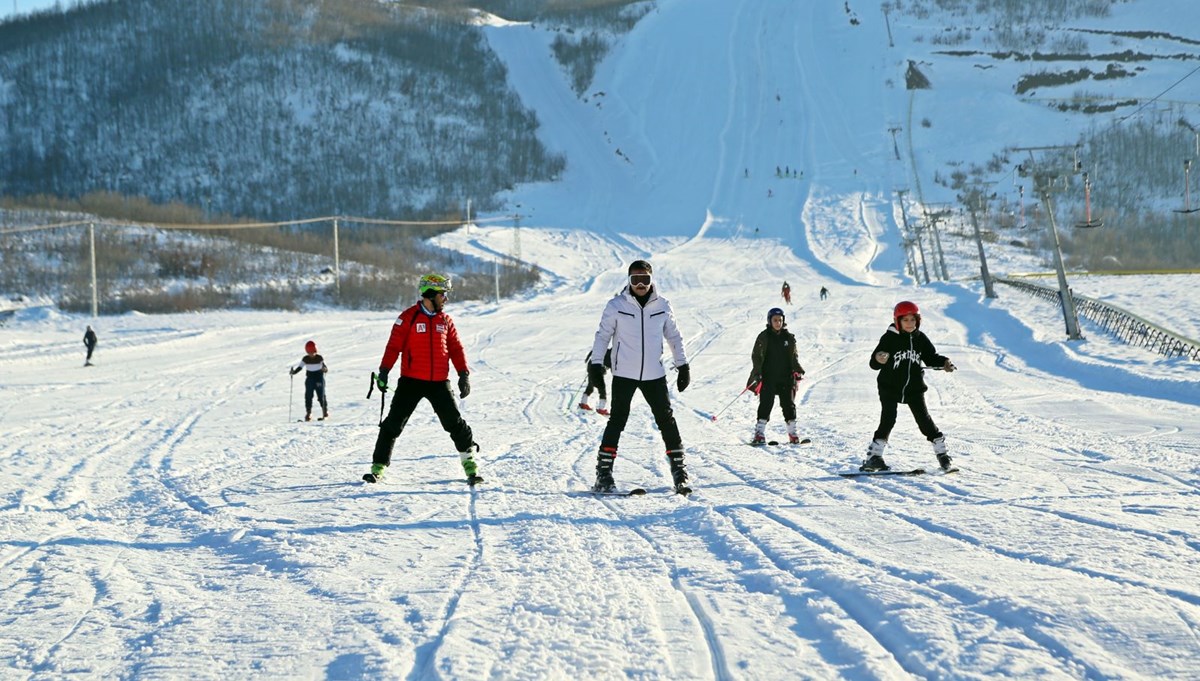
(1156, 97)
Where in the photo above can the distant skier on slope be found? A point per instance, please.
(89, 342)
(636, 322)
(314, 368)
(898, 358)
(775, 371)
(426, 337)
(786, 292)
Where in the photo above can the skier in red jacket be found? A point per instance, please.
(425, 340)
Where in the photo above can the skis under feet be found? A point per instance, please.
(635, 492)
(890, 471)
(371, 477)
(893, 471)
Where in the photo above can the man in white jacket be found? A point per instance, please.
(635, 323)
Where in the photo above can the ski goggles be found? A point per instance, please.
(639, 279)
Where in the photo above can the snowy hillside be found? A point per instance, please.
(162, 515)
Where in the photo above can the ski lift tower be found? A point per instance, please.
(915, 238)
(976, 199)
(933, 219)
(1046, 181)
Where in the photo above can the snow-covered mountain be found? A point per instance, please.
(162, 515)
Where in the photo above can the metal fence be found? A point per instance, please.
(1123, 324)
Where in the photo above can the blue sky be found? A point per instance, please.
(10, 8)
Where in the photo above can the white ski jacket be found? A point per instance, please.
(636, 335)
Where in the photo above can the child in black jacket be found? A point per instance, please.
(775, 371)
(898, 358)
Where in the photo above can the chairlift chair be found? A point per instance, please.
(1088, 222)
(1187, 192)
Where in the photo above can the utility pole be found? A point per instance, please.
(517, 236)
(975, 198)
(1044, 180)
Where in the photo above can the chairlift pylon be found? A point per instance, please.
(1088, 223)
(1187, 191)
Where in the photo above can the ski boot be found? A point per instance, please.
(602, 408)
(376, 474)
(678, 473)
(324, 413)
(604, 466)
(939, 448)
(469, 466)
(760, 433)
(793, 436)
(585, 406)
(874, 460)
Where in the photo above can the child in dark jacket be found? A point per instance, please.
(313, 366)
(898, 358)
(597, 383)
(775, 371)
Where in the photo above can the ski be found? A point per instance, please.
(777, 443)
(371, 477)
(890, 471)
(635, 492)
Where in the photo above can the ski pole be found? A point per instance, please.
(714, 416)
(574, 395)
(291, 392)
(382, 396)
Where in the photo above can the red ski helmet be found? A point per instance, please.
(903, 308)
(311, 347)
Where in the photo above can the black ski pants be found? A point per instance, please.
(659, 399)
(766, 401)
(887, 417)
(596, 386)
(409, 392)
(314, 382)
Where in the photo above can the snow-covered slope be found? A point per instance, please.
(162, 515)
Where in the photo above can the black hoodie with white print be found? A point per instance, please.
(902, 375)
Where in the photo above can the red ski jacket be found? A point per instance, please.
(429, 344)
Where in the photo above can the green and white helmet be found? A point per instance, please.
(433, 282)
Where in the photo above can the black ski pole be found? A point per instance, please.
(382, 396)
(714, 416)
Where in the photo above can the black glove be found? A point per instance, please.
(294, 370)
(464, 384)
(596, 374)
(685, 377)
(755, 381)
(381, 379)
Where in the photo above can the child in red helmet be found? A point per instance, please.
(898, 358)
(313, 366)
